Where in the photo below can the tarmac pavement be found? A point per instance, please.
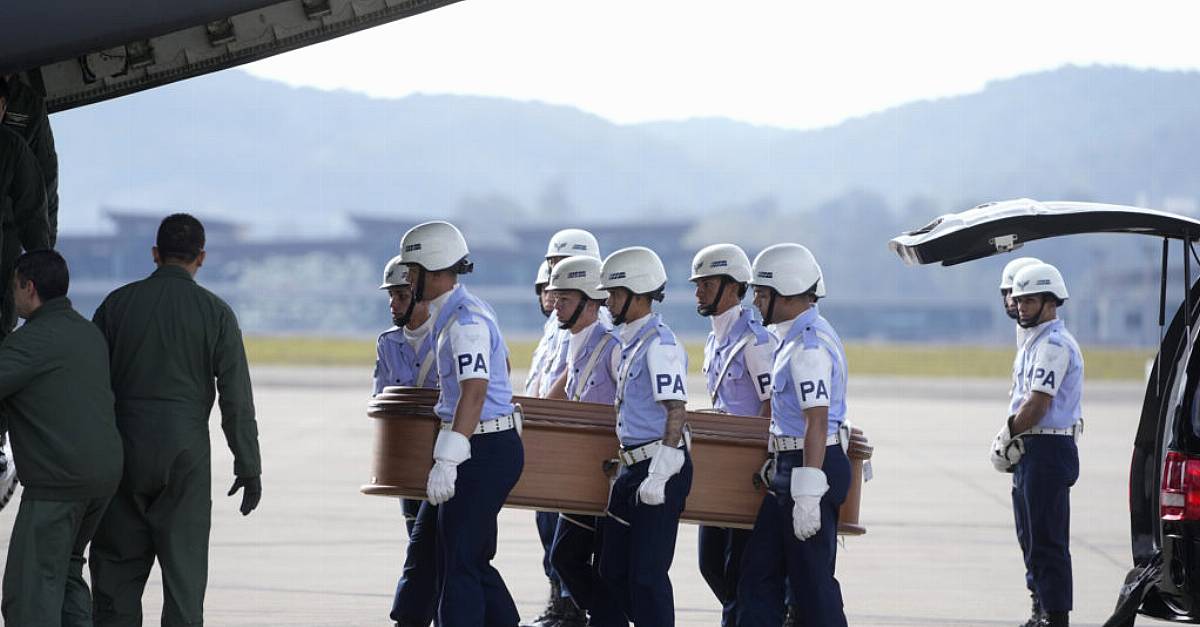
(940, 547)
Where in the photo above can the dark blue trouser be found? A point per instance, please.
(1045, 475)
(1020, 515)
(774, 554)
(415, 602)
(410, 507)
(721, 552)
(638, 545)
(576, 547)
(473, 593)
(547, 522)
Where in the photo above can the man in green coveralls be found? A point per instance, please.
(23, 219)
(57, 404)
(169, 339)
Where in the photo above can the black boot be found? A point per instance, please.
(572, 616)
(792, 617)
(1057, 619)
(553, 614)
(1037, 616)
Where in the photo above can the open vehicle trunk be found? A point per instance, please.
(1164, 581)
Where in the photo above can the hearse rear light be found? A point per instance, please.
(1180, 496)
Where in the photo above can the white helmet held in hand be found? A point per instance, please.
(578, 273)
(434, 246)
(394, 274)
(1011, 269)
(637, 269)
(571, 242)
(543, 274)
(721, 260)
(789, 269)
(1040, 278)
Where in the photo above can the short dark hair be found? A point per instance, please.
(180, 238)
(48, 271)
(4, 93)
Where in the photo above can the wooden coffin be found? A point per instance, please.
(569, 453)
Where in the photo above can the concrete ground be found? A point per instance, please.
(940, 547)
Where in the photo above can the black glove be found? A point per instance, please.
(251, 495)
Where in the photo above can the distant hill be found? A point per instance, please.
(295, 160)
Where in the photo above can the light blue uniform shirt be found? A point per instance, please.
(597, 343)
(469, 346)
(810, 371)
(533, 381)
(746, 381)
(1050, 361)
(652, 368)
(396, 363)
(555, 363)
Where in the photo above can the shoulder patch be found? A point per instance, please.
(761, 335)
(666, 336)
(809, 337)
(464, 315)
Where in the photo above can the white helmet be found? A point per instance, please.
(1011, 268)
(435, 246)
(637, 269)
(571, 242)
(721, 259)
(394, 274)
(543, 274)
(789, 269)
(578, 273)
(1040, 278)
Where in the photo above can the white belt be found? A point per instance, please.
(503, 423)
(641, 453)
(781, 443)
(1074, 430)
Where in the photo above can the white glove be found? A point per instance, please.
(1006, 450)
(451, 449)
(808, 486)
(666, 463)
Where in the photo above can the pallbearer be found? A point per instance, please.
(656, 474)
(404, 356)
(795, 533)
(552, 364)
(478, 454)
(738, 357)
(590, 377)
(1037, 443)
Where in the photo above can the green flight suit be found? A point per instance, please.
(23, 221)
(58, 406)
(169, 339)
(26, 114)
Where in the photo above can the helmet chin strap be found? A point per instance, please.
(545, 312)
(619, 317)
(570, 323)
(710, 308)
(1011, 312)
(418, 293)
(768, 318)
(1029, 323)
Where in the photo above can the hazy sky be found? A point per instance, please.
(791, 63)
